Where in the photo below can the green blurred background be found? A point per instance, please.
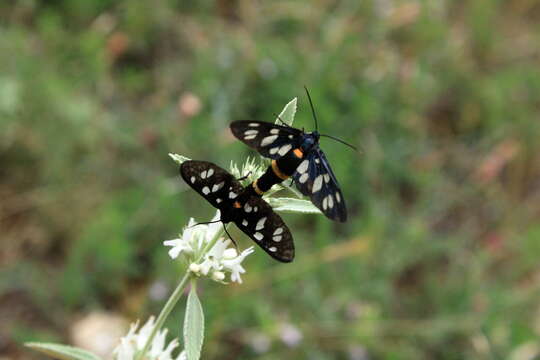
(439, 259)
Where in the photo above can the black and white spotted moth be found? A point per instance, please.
(242, 206)
(294, 153)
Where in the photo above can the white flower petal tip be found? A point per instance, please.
(135, 340)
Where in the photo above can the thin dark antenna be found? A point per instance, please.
(230, 237)
(341, 141)
(312, 109)
(205, 223)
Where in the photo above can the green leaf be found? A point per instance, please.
(178, 158)
(193, 325)
(62, 352)
(293, 205)
(287, 114)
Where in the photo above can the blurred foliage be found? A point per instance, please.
(440, 257)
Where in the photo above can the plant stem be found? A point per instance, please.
(171, 302)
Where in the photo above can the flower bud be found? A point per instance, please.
(194, 268)
(218, 276)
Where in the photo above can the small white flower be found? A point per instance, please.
(135, 340)
(195, 268)
(230, 253)
(218, 276)
(221, 258)
(234, 265)
(193, 238)
(218, 258)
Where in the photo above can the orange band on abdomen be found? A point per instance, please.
(278, 172)
(256, 188)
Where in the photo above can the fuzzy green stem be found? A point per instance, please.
(171, 302)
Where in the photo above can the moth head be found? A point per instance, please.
(310, 139)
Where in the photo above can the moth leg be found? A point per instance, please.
(205, 223)
(244, 177)
(229, 235)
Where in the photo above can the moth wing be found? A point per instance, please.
(315, 179)
(212, 182)
(267, 229)
(270, 140)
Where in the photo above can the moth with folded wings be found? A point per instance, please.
(239, 205)
(295, 153)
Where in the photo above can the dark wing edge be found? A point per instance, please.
(267, 229)
(270, 140)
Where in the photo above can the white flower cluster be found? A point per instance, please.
(206, 254)
(135, 340)
(252, 168)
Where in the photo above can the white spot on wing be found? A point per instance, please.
(330, 201)
(218, 200)
(216, 187)
(317, 184)
(260, 223)
(268, 140)
(326, 178)
(232, 195)
(247, 208)
(338, 197)
(254, 124)
(206, 190)
(210, 173)
(203, 174)
(278, 231)
(251, 132)
(274, 131)
(274, 150)
(303, 178)
(192, 179)
(302, 168)
(258, 236)
(250, 137)
(272, 249)
(277, 238)
(290, 136)
(284, 149)
(244, 222)
(325, 203)
(317, 161)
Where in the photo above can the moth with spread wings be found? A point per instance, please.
(296, 153)
(249, 212)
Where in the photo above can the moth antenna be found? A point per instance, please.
(312, 109)
(341, 141)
